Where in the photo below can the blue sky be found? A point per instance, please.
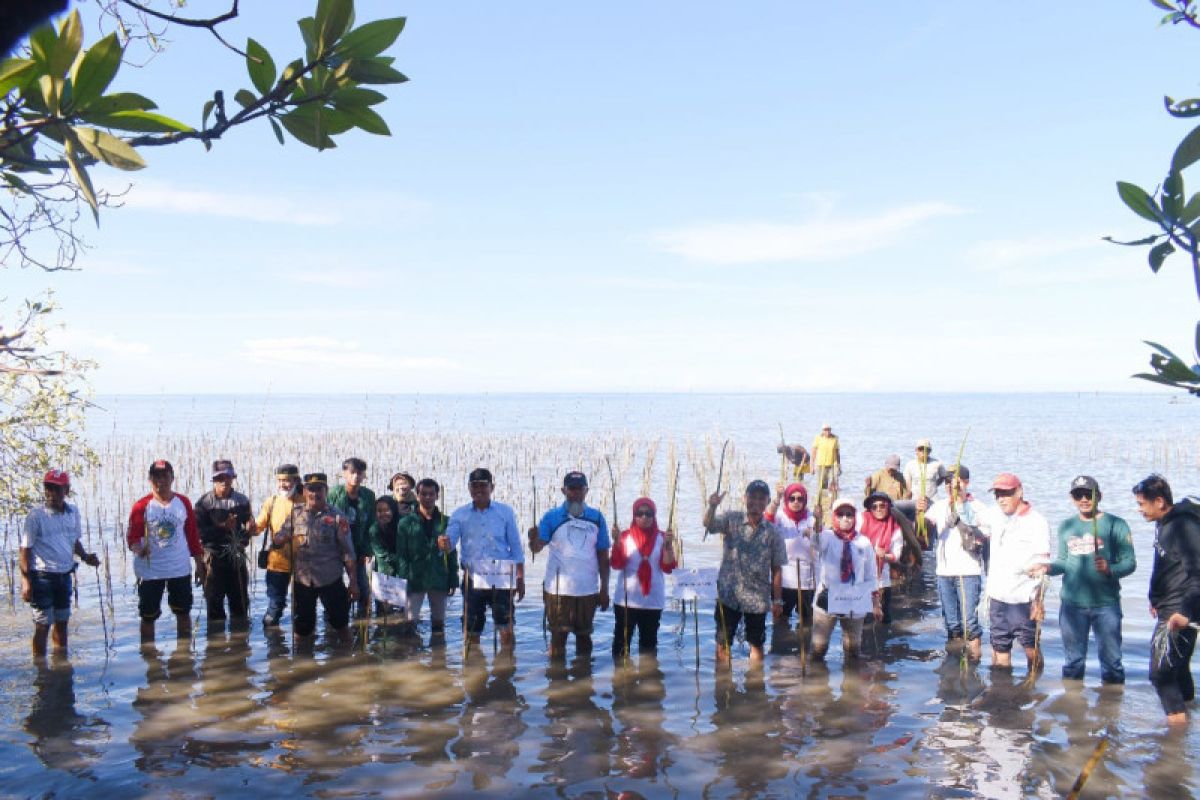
(667, 196)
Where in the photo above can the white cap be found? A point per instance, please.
(844, 501)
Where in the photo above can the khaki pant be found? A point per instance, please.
(822, 630)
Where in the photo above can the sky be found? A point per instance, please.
(667, 196)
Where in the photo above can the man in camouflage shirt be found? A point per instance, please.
(749, 582)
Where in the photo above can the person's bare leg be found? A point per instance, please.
(40, 632)
(58, 635)
(507, 640)
(722, 656)
(1001, 660)
(1030, 656)
(1177, 720)
(756, 654)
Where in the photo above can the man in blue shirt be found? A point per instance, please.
(577, 572)
(488, 532)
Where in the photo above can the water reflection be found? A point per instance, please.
(742, 715)
(491, 722)
(164, 703)
(578, 732)
(62, 737)
(641, 749)
(1006, 737)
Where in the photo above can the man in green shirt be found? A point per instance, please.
(1094, 552)
(357, 502)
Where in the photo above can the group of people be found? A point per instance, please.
(832, 567)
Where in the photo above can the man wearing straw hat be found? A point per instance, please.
(275, 511)
(749, 582)
(162, 532)
(488, 532)
(577, 569)
(50, 540)
(226, 524)
(323, 548)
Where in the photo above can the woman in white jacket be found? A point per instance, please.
(848, 583)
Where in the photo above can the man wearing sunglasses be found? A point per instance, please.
(1020, 551)
(1174, 591)
(1094, 552)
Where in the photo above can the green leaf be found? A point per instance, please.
(103, 146)
(208, 107)
(1163, 4)
(16, 73)
(1182, 109)
(140, 121)
(366, 119)
(332, 19)
(307, 125)
(1136, 242)
(92, 74)
(1188, 151)
(43, 42)
(1172, 196)
(1138, 201)
(245, 98)
(275, 127)
(1191, 211)
(260, 66)
(80, 176)
(21, 186)
(291, 71)
(119, 101)
(308, 31)
(371, 39)
(70, 40)
(356, 96)
(1158, 253)
(50, 88)
(372, 70)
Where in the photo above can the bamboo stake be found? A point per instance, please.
(1092, 762)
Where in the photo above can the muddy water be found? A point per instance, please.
(230, 713)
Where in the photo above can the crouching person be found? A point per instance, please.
(848, 586)
(319, 536)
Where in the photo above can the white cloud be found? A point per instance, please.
(312, 351)
(1047, 260)
(82, 341)
(819, 239)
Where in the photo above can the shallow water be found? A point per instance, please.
(234, 713)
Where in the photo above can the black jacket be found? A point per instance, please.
(1175, 581)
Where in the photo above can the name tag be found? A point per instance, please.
(389, 589)
(845, 598)
(494, 573)
(699, 583)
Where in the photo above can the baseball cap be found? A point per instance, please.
(1085, 482)
(575, 480)
(56, 477)
(316, 479)
(758, 486)
(161, 466)
(1006, 481)
(892, 462)
(223, 468)
(876, 496)
(963, 473)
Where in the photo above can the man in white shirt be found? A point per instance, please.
(49, 544)
(959, 553)
(1020, 553)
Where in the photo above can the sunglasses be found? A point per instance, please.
(844, 514)
(1004, 492)
(879, 505)
(1081, 494)
(797, 498)
(645, 512)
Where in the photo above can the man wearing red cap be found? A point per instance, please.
(49, 543)
(1020, 553)
(162, 532)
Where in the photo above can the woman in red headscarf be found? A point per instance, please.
(790, 515)
(880, 526)
(641, 556)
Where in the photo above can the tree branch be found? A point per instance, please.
(208, 24)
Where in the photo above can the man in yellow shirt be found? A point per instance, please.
(827, 459)
(275, 511)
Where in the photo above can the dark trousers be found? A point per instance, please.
(644, 620)
(226, 579)
(1171, 675)
(335, 600)
(800, 600)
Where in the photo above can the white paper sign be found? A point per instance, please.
(798, 548)
(389, 589)
(845, 598)
(494, 573)
(693, 584)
